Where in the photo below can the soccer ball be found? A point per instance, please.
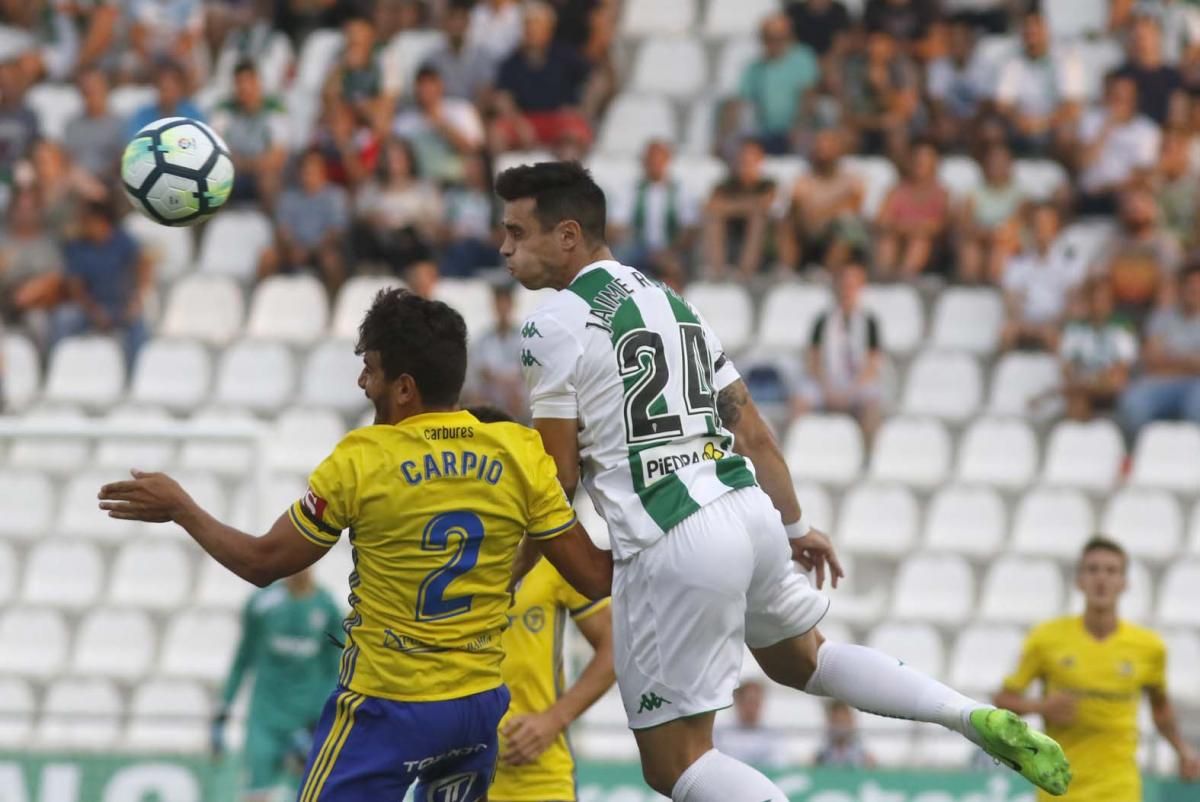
(177, 171)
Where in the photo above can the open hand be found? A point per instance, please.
(1189, 765)
(814, 552)
(152, 497)
(528, 736)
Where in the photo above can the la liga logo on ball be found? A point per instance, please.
(177, 171)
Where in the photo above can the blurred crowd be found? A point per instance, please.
(393, 174)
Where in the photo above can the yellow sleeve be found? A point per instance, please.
(578, 605)
(1156, 664)
(549, 512)
(1029, 667)
(329, 505)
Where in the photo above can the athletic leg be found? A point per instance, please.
(359, 750)
(464, 773)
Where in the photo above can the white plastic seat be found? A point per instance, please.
(1039, 179)
(918, 645)
(1085, 455)
(8, 574)
(816, 504)
(915, 451)
(968, 318)
(660, 17)
(618, 175)
(825, 448)
(207, 308)
(249, 229)
(302, 438)
(127, 99)
(353, 301)
(1020, 590)
(173, 373)
(21, 626)
(1167, 455)
(226, 457)
(878, 520)
(960, 175)
(89, 371)
(982, 656)
(471, 298)
(22, 371)
(289, 309)
(257, 375)
(737, 53)
(114, 643)
(998, 451)
(878, 175)
(56, 455)
(218, 587)
(55, 105)
(1137, 601)
(1052, 522)
(901, 319)
(1183, 665)
(1081, 243)
(789, 314)
(674, 66)
(333, 571)
(935, 588)
(16, 712)
(80, 514)
(169, 716)
(151, 574)
(255, 509)
(728, 309)
(67, 575)
(199, 645)
(79, 714)
(967, 520)
(28, 498)
(736, 17)
(171, 249)
(403, 56)
(1021, 378)
(1179, 595)
(1078, 19)
(633, 120)
(944, 384)
(330, 378)
(1146, 521)
(316, 58)
(699, 130)
(697, 174)
(119, 454)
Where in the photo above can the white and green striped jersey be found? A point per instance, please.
(640, 370)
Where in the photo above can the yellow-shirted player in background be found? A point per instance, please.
(436, 503)
(1094, 669)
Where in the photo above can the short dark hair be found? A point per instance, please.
(486, 413)
(245, 65)
(425, 339)
(428, 71)
(102, 208)
(560, 191)
(1103, 543)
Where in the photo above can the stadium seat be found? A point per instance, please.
(288, 309)
(700, 126)
(172, 373)
(472, 298)
(736, 17)
(1077, 19)
(982, 656)
(146, 453)
(219, 588)
(901, 319)
(633, 120)
(816, 504)
(1052, 522)
(961, 175)
(1081, 243)
(55, 105)
(728, 309)
(944, 384)
(737, 53)
(1137, 601)
(939, 748)
(88, 371)
(674, 66)
(878, 175)
(55, 455)
(8, 574)
(114, 643)
(22, 372)
(889, 741)
(21, 626)
(16, 713)
(661, 17)
(1179, 595)
(998, 451)
(316, 58)
(301, 438)
(1183, 665)
(403, 56)
(127, 99)
(256, 508)
(1084, 455)
(514, 158)
(918, 645)
(199, 645)
(225, 457)
(617, 175)
(206, 308)
(1019, 590)
(79, 714)
(968, 319)
(1099, 57)
(1022, 380)
(967, 520)
(151, 574)
(789, 314)
(825, 448)
(79, 513)
(330, 378)
(914, 451)
(787, 709)
(250, 229)
(333, 572)
(260, 376)
(169, 716)
(171, 249)
(1167, 455)
(1146, 521)
(69, 575)
(353, 300)
(939, 589)
(28, 498)
(1039, 179)
(878, 520)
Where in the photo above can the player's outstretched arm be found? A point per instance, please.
(157, 498)
(588, 568)
(1168, 727)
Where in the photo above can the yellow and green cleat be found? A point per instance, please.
(1035, 756)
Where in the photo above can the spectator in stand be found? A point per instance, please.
(31, 264)
(1141, 257)
(98, 24)
(55, 38)
(843, 746)
(18, 123)
(172, 31)
(988, 220)
(880, 91)
(824, 220)
(1097, 352)
(654, 225)
(443, 131)
(107, 280)
(1037, 92)
(775, 85)
(61, 186)
(913, 219)
(496, 28)
(311, 220)
(845, 355)
(256, 131)
(1159, 85)
(957, 85)
(1116, 146)
(468, 226)
(747, 739)
(1037, 285)
(1176, 187)
(1169, 383)
(96, 137)
(467, 69)
(298, 18)
(359, 79)
(539, 89)
(351, 148)
(496, 358)
(737, 216)
(910, 22)
(398, 211)
(170, 80)
(819, 24)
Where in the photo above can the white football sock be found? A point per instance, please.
(716, 777)
(878, 683)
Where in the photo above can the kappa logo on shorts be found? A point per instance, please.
(652, 702)
(455, 788)
(528, 359)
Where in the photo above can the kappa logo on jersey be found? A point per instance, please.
(455, 788)
(528, 359)
(530, 330)
(652, 702)
(314, 505)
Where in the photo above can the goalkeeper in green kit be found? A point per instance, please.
(286, 632)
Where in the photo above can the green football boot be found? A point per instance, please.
(1035, 756)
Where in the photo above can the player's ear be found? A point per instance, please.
(404, 390)
(570, 235)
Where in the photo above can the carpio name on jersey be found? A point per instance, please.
(461, 464)
(667, 459)
(610, 297)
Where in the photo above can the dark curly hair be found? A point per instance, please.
(425, 339)
(560, 191)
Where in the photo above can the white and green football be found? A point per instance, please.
(177, 171)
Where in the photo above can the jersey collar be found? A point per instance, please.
(594, 266)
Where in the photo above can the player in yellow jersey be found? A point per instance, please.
(1094, 669)
(436, 503)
